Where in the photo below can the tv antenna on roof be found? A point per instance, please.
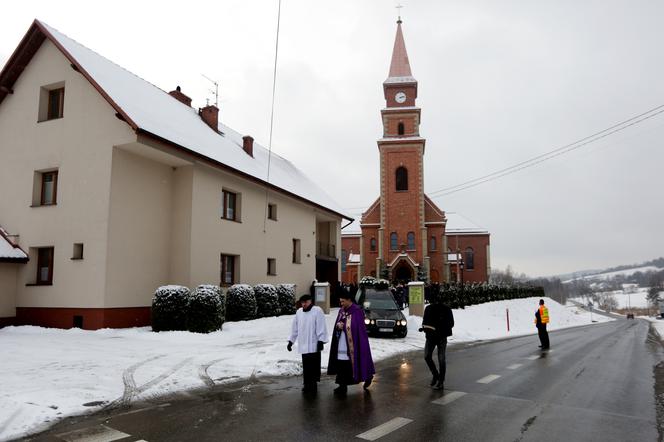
(215, 91)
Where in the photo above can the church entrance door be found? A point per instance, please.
(403, 272)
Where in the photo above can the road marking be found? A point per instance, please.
(100, 433)
(487, 379)
(514, 366)
(449, 397)
(385, 428)
(533, 357)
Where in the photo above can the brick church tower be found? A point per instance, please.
(403, 233)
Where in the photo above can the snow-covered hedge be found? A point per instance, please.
(286, 294)
(267, 300)
(169, 308)
(206, 309)
(240, 303)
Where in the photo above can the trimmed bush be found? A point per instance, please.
(206, 309)
(286, 295)
(170, 304)
(240, 303)
(267, 300)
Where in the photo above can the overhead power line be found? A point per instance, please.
(551, 154)
(545, 156)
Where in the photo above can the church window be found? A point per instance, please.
(402, 178)
(400, 128)
(433, 243)
(394, 243)
(469, 259)
(372, 244)
(344, 260)
(411, 241)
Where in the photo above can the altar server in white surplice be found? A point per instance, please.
(310, 333)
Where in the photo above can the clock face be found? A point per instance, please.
(400, 97)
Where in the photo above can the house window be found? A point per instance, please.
(227, 270)
(45, 266)
(272, 212)
(51, 102)
(56, 102)
(393, 241)
(372, 244)
(296, 251)
(78, 251)
(230, 206)
(400, 128)
(411, 241)
(49, 188)
(432, 245)
(469, 259)
(271, 266)
(402, 178)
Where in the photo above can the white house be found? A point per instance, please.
(113, 187)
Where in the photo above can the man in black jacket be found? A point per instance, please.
(437, 324)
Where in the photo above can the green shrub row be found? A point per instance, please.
(206, 308)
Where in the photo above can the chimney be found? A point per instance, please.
(248, 145)
(178, 95)
(210, 114)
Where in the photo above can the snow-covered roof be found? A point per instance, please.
(153, 110)
(400, 80)
(457, 224)
(353, 258)
(9, 251)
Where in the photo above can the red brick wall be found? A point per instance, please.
(93, 318)
(479, 244)
(403, 210)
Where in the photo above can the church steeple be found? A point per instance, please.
(400, 87)
(399, 67)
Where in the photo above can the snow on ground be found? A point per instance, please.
(638, 299)
(609, 275)
(48, 374)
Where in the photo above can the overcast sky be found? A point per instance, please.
(500, 82)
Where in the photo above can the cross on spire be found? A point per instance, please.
(398, 7)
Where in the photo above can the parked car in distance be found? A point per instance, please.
(630, 315)
(382, 316)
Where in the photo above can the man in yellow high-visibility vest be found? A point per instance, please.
(541, 319)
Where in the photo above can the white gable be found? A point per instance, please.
(155, 111)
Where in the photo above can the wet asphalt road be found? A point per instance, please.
(595, 384)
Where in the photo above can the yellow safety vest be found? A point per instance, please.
(544, 314)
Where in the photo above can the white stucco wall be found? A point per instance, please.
(79, 145)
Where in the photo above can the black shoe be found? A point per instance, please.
(367, 383)
(434, 380)
(439, 386)
(341, 390)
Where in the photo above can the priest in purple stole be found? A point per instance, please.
(350, 354)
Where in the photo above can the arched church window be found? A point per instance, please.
(394, 241)
(469, 258)
(400, 129)
(432, 245)
(372, 244)
(411, 241)
(402, 178)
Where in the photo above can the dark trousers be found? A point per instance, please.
(543, 335)
(429, 346)
(344, 373)
(311, 368)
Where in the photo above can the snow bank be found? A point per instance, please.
(48, 374)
